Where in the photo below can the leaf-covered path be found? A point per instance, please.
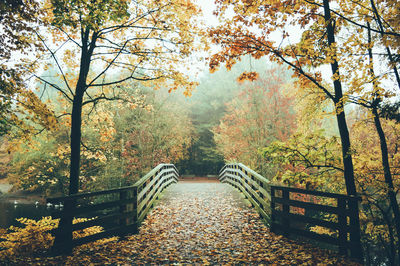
(202, 223)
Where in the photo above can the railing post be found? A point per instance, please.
(273, 218)
(342, 220)
(135, 210)
(355, 235)
(63, 238)
(286, 210)
(123, 195)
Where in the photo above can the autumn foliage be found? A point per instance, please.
(80, 113)
(257, 116)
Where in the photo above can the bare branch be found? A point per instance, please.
(56, 60)
(55, 87)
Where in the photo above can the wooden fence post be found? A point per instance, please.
(63, 238)
(342, 220)
(123, 195)
(273, 218)
(286, 211)
(135, 210)
(355, 235)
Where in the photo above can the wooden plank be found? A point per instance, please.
(155, 181)
(259, 199)
(309, 205)
(226, 170)
(255, 174)
(273, 216)
(264, 215)
(92, 208)
(308, 234)
(142, 180)
(145, 206)
(222, 169)
(109, 233)
(286, 210)
(110, 191)
(87, 194)
(249, 180)
(147, 187)
(100, 220)
(144, 212)
(309, 220)
(315, 193)
(123, 195)
(144, 201)
(254, 183)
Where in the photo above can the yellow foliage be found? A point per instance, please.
(31, 239)
(35, 237)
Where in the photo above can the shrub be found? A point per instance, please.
(29, 240)
(34, 238)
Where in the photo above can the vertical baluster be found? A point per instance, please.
(122, 210)
(63, 238)
(286, 211)
(273, 218)
(135, 210)
(342, 220)
(355, 235)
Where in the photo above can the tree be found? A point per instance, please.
(317, 47)
(250, 31)
(259, 115)
(139, 40)
(116, 42)
(311, 159)
(19, 20)
(206, 107)
(159, 134)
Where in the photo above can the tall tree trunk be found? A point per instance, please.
(339, 106)
(76, 117)
(355, 236)
(76, 122)
(387, 174)
(384, 149)
(63, 240)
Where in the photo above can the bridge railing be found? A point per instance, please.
(122, 209)
(293, 210)
(254, 186)
(280, 208)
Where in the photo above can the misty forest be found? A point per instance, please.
(199, 132)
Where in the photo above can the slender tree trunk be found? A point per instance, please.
(387, 174)
(76, 116)
(355, 236)
(63, 240)
(76, 122)
(384, 149)
(340, 115)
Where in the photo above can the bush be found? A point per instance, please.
(35, 238)
(29, 240)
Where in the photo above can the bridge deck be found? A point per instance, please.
(203, 222)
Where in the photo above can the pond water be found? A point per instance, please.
(10, 211)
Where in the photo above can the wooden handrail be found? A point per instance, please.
(347, 237)
(126, 205)
(262, 195)
(254, 186)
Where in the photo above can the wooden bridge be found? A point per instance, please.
(291, 212)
